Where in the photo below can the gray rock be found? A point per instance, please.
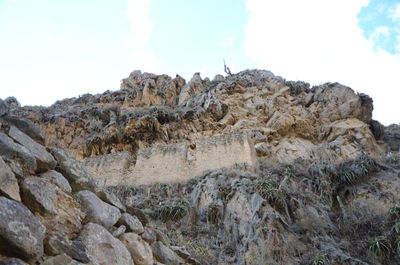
(12, 261)
(3, 108)
(74, 170)
(62, 259)
(103, 248)
(8, 183)
(96, 210)
(57, 179)
(28, 127)
(140, 251)
(39, 195)
(131, 222)
(110, 198)
(165, 255)
(10, 150)
(76, 249)
(21, 233)
(149, 235)
(119, 231)
(143, 218)
(44, 159)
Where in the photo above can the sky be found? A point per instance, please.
(53, 49)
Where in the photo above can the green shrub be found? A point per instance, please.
(175, 211)
(320, 259)
(381, 246)
(270, 190)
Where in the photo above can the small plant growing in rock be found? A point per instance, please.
(381, 246)
(288, 170)
(347, 177)
(395, 211)
(175, 211)
(320, 259)
(270, 190)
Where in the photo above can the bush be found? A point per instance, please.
(320, 259)
(175, 211)
(270, 190)
(381, 246)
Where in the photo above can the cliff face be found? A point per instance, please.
(244, 169)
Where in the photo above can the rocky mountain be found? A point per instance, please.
(244, 169)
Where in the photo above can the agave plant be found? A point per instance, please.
(381, 246)
(320, 259)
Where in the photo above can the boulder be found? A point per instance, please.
(103, 248)
(149, 235)
(3, 108)
(96, 210)
(110, 198)
(59, 212)
(28, 127)
(10, 150)
(119, 231)
(44, 159)
(21, 233)
(76, 249)
(8, 183)
(140, 251)
(57, 179)
(74, 170)
(165, 255)
(62, 259)
(12, 261)
(131, 222)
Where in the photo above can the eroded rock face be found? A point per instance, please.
(103, 247)
(96, 210)
(3, 108)
(21, 233)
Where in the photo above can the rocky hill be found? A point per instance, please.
(244, 169)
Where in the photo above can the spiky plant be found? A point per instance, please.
(320, 259)
(270, 190)
(381, 246)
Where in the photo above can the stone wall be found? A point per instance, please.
(173, 162)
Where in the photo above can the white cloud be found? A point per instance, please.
(142, 57)
(394, 12)
(227, 43)
(319, 41)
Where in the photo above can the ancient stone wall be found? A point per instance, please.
(173, 162)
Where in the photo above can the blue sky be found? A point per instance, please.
(52, 49)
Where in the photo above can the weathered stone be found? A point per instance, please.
(28, 127)
(74, 170)
(56, 244)
(21, 233)
(131, 222)
(62, 259)
(140, 251)
(161, 237)
(119, 231)
(3, 108)
(11, 150)
(98, 211)
(143, 218)
(8, 183)
(57, 179)
(12, 261)
(44, 159)
(149, 235)
(103, 248)
(181, 251)
(59, 212)
(110, 198)
(165, 254)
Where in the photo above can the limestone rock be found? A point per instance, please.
(74, 170)
(21, 233)
(110, 198)
(165, 255)
(44, 159)
(149, 235)
(10, 150)
(131, 222)
(140, 251)
(119, 231)
(62, 259)
(12, 261)
(57, 179)
(98, 211)
(28, 127)
(76, 249)
(192, 87)
(3, 108)
(8, 183)
(103, 247)
(39, 195)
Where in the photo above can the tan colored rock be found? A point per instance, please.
(131, 222)
(57, 179)
(140, 251)
(60, 260)
(8, 183)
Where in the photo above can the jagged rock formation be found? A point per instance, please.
(244, 169)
